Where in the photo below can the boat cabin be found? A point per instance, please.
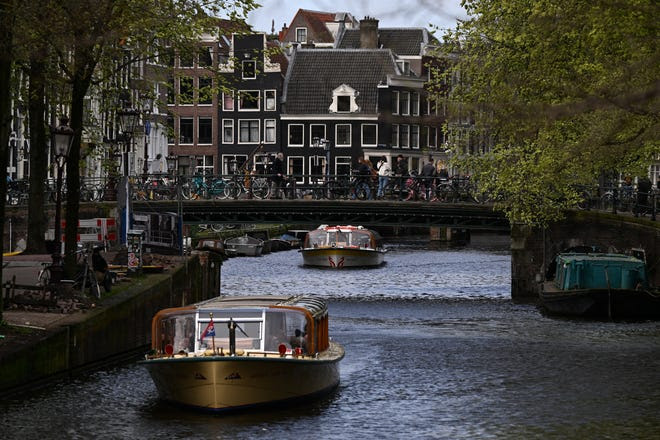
(599, 271)
(342, 236)
(266, 325)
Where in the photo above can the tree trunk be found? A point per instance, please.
(37, 215)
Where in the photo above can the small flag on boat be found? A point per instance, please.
(210, 330)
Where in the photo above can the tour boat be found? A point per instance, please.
(342, 246)
(230, 353)
(244, 245)
(600, 285)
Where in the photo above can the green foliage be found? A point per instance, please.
(567, 89)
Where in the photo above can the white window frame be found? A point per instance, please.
(405, 111)
(362, 126)
(310, 165)
(192, 141)
(405, 144)
(199, 118)
(233, 102)
(199, 88)
(311, 134)
(266, 121)
(224, 125)
(395, 102)
(243, 69)
(395, 145)
(301, 29)
(433, 137)
(343, 161)
(289, 171)
(258, 131)
(350, 136)
(288, 135)
(266, 109)
(249, 109)
(192, 91)
(414, 137)
(414, 109)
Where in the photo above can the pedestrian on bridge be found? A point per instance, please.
(401, 171)
(384, 171)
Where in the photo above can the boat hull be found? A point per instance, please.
(601, 302)
(244, 250)
(338, 258)
(222, 383)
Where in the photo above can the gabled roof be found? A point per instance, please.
(316, 20)
(314, 73)
(402, 41)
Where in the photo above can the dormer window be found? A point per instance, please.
(301, 35)
(343, 100)
(404, 66)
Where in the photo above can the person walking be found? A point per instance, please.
(384, 171)
(363, 178)
(277, 175)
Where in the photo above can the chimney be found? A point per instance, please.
(368, 33)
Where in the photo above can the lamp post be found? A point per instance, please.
(325, 144)
(147, 104)
(127, 121)
(61, 140)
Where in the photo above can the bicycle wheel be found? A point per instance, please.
(232, 190)
(260, 189)
(217, 227)
(361, 191)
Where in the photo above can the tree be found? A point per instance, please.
(567, 89)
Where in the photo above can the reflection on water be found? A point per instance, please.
(434, 349)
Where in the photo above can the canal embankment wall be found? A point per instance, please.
(532, 249)
(117, 328)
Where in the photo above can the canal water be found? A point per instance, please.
(435, 348)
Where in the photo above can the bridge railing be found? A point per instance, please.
(616, 199)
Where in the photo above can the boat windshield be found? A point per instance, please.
(257, 330)
(336, 238)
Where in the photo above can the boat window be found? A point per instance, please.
(317, 238)
(248, 332)
(287, 327)
(179, 331)
(362, 239)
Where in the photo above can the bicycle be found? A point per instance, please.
(84, 279)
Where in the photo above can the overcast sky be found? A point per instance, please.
(391, 13)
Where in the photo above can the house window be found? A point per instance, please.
(316, 168)
(404, 135)
(343, 103)
(170, 90)
(395, 135)
(316, 131)
(404, 103)
(269, 131)
(185, 90)
(301, 35)
(369, 135)
(395, 103)
(343, 165)
(404, 66)
(186, 130)
(433, 140)
(227, 131)
(414, 104)
(248, 100)
(205, 56)
(186, 59)
(232, 163)
(424, 137)
(228, 102)
(205, 91)
(204, 165)
(296, 135)
(343, 135)
(270, 104)
(414, 136)
(296, 167)
(204, 131)
(170, 129)
(248, 131)
(249, 69)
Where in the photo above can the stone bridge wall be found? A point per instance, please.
(532, 249)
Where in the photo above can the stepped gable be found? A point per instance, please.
(315, 73)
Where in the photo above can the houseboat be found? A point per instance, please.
(232, 353)
(600, 285)
(342, 246)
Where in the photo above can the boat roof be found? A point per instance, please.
(315, 306)
(578, 256)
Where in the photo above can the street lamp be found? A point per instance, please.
(61, 141)
(127, 121)
(147, 105)
(325, 144)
